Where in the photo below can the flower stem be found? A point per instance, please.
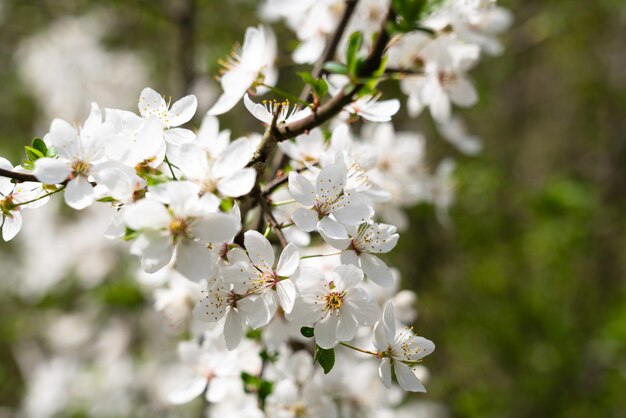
(171, 166)
(371, 353)
(284, 202)
(41, 197)
(320, 255)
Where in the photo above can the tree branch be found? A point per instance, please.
(18, 177)
(331, 47)
(271, 220)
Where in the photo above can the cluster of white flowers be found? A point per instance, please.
(271, 274)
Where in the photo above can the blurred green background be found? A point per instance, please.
(524, 294)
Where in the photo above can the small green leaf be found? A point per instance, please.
(325, 357)
(32, 153)
(352, 53)
(255, 384)
(321, 88)
(335, 68)
(40, 146)
(307, 332)
(130, 234)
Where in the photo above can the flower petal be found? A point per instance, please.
(289, 261)
(216, 227)
(11, 225)
(79, 193)
(305, 219)
(238, 183)
(189, 391)
(233, 329)
(51, 170)
(376, 270)
(325, 332)
(178, 136)
(301, 189)
(259, 250)
(150, 103)
(406, 378)
(195, 261)
(146, 214)
(183, 110)
(286, 292)
(384, 371)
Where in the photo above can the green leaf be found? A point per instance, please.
(325, 357)
(255, 384)
(40, 146)
(307, 332)
(335, 68)
(307, 77)
(130, 234)
(321, 88)
(32, 153)
(352, 53)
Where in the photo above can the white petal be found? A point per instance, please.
(349, 276)
(216, 228)
(376, 270)
(146, 214)
(325, 332)
(236, 156)
(388, 323)
(406, 378)
(259, 250)
(64, 139)
(463, 93)
(286, 292)
(238, 183)
(51, 170)
(188, 392)
(79, 193)
(331, 181)
(305, 219)
(350, 257)
(233, 329)
(301, 189)
(150, 102)
(257, 309)
(156, 251)
(194, 261)
(331, 229)
(384, 371)
(289, 261)
(258, 110)
(213, 307)
(346, 328)
(178, 136)
(355, 211)
(226, 102)
(11, 226)
(183, 110)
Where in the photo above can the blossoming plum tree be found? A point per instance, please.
(283, 231)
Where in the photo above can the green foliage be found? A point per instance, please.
(254, 384)
(325, 357)
(38, 149)
(307, 332)
(409, 14)
(319, 85)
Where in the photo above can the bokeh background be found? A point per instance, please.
(524, 293)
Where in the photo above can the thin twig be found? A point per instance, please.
(271, 220)
(331, 47)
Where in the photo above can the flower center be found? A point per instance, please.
(80, 168)
(178, 228)
(334, 301)
(299, 410)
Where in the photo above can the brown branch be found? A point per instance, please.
(271, 220)
(337, 103)
(18, 177)
(331, 47)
